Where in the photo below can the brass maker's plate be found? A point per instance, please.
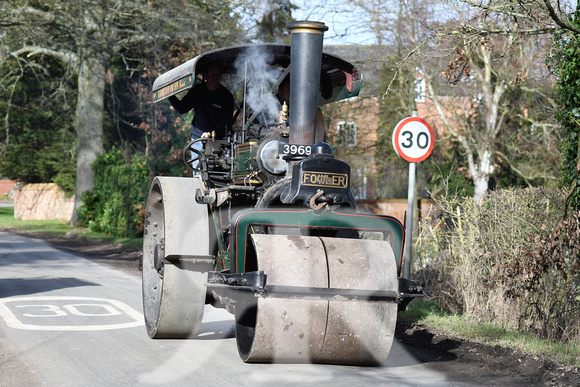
(324, 179)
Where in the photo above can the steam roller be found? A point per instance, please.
(267, 227)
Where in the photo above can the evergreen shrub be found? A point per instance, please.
(567, 67)
(117, 205)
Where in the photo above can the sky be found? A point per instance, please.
(338, 15)
(341, 16)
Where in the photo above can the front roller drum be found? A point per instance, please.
(354, 332)
(175, 226)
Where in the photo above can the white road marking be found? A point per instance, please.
(57, 311)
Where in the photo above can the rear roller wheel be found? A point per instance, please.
(305, 330)
(175, 225)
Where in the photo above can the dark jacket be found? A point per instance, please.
(213, 110)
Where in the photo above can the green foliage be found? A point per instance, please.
(567, 66)
(133, 122)
(116, 207)
(448, 171)
(526, 151)
(420, 309)
(38, 140)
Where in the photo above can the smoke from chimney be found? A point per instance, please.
(255, 63)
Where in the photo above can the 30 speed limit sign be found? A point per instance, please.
(413, 139)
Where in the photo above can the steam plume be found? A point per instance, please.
(256, 64)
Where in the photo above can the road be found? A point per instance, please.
(68, 321)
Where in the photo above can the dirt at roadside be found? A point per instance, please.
(466, 360)
(489, 365)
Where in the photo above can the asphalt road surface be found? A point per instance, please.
(68, 321)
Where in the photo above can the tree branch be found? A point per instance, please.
(66, 56)
(558, 21)
(507, 32)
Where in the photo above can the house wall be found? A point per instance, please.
(364, 112)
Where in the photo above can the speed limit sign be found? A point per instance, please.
(413, 139)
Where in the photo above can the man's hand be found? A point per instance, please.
(206, 135)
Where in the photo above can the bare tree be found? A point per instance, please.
(86, 34)
(476, 121)
(517, 18)
(495, 56)
(488, 62)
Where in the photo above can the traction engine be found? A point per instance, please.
(267, 226)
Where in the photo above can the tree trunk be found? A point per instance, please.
(480, 173)
(89, 124)
(481, 186)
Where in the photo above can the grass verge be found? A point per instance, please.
(59, 229)
(430, 314)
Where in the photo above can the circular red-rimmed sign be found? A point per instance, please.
(413, 139)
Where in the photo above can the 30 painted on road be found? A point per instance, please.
(54, 313)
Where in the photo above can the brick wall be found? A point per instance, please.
(397, 208)
(42, 201)
(6, 186)
(392, 207)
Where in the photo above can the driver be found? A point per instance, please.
(212, 103)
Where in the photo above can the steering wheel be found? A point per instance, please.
(191, 154)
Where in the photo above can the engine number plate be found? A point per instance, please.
(294, 150)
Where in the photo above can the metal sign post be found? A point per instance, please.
(410, 216)
(413, 142)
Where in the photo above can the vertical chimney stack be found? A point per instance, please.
(305, 67)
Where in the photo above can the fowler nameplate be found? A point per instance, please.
(324, 179)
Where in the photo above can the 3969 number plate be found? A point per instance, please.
(294, 150)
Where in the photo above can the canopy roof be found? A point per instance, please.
(339, 79)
